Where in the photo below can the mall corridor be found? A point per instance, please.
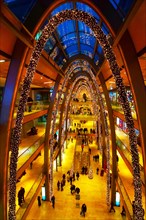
(92, 193)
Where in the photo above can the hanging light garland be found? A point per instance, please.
(100, 36)
(69, 70)
(105, 123)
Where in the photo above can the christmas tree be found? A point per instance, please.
(90, 174)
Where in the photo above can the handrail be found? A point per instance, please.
(40, 139)
(124, 149)
(36, 105)
(93, 117)
(125, 195)
(30, 197)
(30, 150)
(117, 107)
(127, 155)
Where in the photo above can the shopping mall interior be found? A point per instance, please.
(73, 109)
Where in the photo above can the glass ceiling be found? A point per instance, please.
(22, 8)
(75, 37)
(70, 37)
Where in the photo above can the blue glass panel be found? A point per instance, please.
(87, 53)
(87, 39)
(85, 47)
(87, 50)
(20, 8)
(65, 28)
(72, 50)
(62, 7)
(70, 36)
(59, 60)
(87, 9)
(54, 53)
(122, 6)
(125, 6)
(105, 29)
(70, 42)
(99, 49)
(84, 28)
(48, 46)
(96, 59)
(114, 3)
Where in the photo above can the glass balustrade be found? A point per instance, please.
(29, 152)
(127, 155)
(117, 107)
(125, 196)
(35, 106)
(30, 196)
(123, 148)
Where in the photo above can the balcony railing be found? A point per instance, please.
(127, 155)
(30, 197)
(35, 106)
(119, 108)
(126, 198)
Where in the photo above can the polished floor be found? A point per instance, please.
(93, 193)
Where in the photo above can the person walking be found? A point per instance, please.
(62, 185)
(23, 192)
(123, 213)
(39, 201)
(20, 197)
(82, 147)
(83, 210)
(77, 175)
(53, 201)
(58, 185)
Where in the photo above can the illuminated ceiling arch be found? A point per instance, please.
(47, 31)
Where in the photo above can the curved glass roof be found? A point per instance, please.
(70, 37)
(20, 8)
(74, 37)
(23, 8)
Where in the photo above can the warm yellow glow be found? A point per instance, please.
(2, 61)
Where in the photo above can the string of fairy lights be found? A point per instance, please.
(84, 64)
(94, 103)
(109, 54)
(78, 88)
(105, 122)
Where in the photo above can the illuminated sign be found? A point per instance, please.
(117, 199)
(43, 193)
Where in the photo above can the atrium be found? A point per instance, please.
(72, 102)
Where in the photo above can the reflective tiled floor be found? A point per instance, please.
(93, 193)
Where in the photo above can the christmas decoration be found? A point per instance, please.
(101, 37)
